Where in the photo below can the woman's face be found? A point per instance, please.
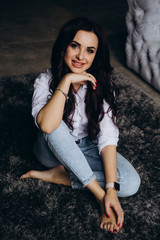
(81, 52)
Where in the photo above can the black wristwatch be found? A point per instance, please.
(114, 185)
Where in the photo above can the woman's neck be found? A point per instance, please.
(76, 87)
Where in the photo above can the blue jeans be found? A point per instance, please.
(83, 160)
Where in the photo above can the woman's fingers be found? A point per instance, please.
(75, 78)
(111, 201)
(107, 208)
(120, 215)
(92, 80)
(122, 219)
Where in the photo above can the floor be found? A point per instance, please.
(28, 29)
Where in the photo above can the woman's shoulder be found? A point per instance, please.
(44, 78)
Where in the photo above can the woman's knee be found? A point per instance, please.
(130, 186)
(43, 153)
(59, 132)
(134, 182)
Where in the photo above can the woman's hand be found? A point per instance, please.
(80, 79)
(112, 201)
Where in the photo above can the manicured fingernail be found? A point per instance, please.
(108, 215)
(114, 230)
(121, 226)
(118, 224)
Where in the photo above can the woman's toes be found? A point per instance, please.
(102, 225)
(29, 174)
(108, 226)
(116, 229)
(105, 226)
(111, 227)
(26, 175)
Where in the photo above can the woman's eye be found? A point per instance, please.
(73, 45)
(90, 51)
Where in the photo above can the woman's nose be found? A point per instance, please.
(80, 55)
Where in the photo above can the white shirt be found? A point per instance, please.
(109, 133)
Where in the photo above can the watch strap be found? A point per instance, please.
(114, 185)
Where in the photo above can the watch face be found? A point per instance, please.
(117, 186)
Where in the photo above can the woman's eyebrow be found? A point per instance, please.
(80, 45)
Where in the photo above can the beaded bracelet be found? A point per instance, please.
(65, 94)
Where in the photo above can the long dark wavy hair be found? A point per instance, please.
(100, 69)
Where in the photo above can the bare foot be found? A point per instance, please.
(108, 224)
(56, 175)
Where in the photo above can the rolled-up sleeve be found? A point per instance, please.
(109, 132)
(41, 93)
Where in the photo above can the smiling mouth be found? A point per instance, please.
(77, 64)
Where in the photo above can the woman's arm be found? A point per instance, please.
(109, 156)
(50, 116)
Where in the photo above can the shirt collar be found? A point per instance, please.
(81, 93)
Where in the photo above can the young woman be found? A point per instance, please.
(74, 107)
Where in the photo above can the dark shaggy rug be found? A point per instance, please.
(32, 209)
